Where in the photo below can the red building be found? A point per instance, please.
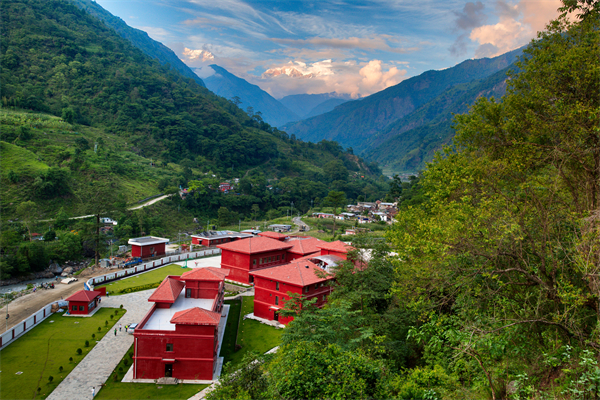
(224, 187)
(274, 235)
(251, 254)
(337, 248)
(303, 246)
(84, 301)
(213, 238)
(306, 276)
(181, 334)
(148, 246)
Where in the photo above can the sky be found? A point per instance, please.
(350, 47)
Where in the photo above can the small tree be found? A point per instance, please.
(79, 351)
(60, 369)
(93, 336)
(39, 389)
(70, 359)
(111, 317)
(121, 306)
(87, 343)
(50, 378)
(99, 329)
(106, 322)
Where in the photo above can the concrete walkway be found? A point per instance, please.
(97, 366)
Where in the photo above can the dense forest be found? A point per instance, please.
(488, 286)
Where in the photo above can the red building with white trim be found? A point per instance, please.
(148, 246)
(303, 246)
(252, 254)
(181, 334)
(83, 301)
(307, 276)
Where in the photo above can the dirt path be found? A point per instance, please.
(24, 306)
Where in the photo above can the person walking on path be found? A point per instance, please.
(115, 331)
(93, 391)
(119, 327)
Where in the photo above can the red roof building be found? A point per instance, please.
(148, 246)
(303, 246)
(213, 238)
(181, 334)
(274, 235)
(307, 276)
(337, 248)
(252, 254)
(83, 302)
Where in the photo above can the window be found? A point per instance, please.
(324, 297)
(276, 285)
(74, 308)
(276, 300)
(81, 308)
(305, 289)
(254, 262)
(169, 346)
(188, 293)
(283, 256)
(278, 257)
(316, 285)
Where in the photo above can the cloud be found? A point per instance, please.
(372, 43)
(471, 16)
(158, 34)
(347, 77)
(202, 55)
(518, 24)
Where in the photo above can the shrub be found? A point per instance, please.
(131, 355)
(121, 306)
(60, 369)
(125, 362)
(93, 336)
(79, 351)
(50, 378)
(70, 359)
(106, 322)
(99, 329)
(39, 390)
(121, 369)
(87, 343)
(111, 317)
(116, 378)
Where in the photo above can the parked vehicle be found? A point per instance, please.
(130, 262)
(131, 328)
(68, 280)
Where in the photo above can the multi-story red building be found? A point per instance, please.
(308, 276)
(148, 246)
(303, 246)
(337, 248)
(213, 238)
(181, 334)
(251, 254)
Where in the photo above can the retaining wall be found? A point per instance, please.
(24, 326)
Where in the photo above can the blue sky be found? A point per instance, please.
(352, 47)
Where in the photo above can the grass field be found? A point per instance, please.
(252, 335)
(133, 391)
(157, 275)
(41, 352)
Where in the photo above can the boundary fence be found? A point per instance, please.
(34, 319)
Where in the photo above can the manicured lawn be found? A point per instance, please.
(231, 328)
(155, 276)
(126, 391)
(252, 335)
(41, 352)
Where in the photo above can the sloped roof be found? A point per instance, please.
(338, 246)
(196, 316)
(301, 272)
(206, 274)
(255, 245)
(84, 295)
(304, 246)
(273, 235)
(168, 291)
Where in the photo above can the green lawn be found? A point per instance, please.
(42, 351)
(155, 276)
(252, 335)
(125, 391)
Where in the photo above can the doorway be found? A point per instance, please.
(275, 316)
(168, 370)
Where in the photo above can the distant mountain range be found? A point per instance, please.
(225, 84)
(138, 38)
(310, 105)
(418, 108)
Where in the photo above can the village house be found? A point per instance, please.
(182, 333)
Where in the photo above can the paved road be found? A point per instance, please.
(298, 221)
(97, 366)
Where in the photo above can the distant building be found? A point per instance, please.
(274, 235)
(280, 227)
(148, 246)
(181, 335)
(224, 187)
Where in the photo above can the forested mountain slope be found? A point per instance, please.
(139, 39)
(352, 124)
(406, 144)
(225, 84)
(308, 105)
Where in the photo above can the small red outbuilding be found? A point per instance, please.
(148, 246)
(84, 301)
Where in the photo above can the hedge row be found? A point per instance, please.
(141, 287)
